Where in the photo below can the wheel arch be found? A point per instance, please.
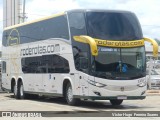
(65, 82)
(20, 80)
(13, 82)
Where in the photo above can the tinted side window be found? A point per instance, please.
(3, 67)
(30, 65)
(78, 27)
(4, 38)
(45, 64)
(77, 24)
(51, 28)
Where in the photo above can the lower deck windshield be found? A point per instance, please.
(120, 63)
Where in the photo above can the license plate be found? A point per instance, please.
(122, 97)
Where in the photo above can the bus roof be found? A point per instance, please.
(98, 10)
(62, 13)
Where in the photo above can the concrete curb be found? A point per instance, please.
(153, 92)
(1, 91)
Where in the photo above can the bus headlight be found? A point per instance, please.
(97, 84)
(141, 83)
(100, 85)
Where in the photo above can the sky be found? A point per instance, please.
(147, 11)
(1, 19)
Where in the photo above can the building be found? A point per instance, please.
(11, 12)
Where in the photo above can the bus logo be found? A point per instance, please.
(13, 38)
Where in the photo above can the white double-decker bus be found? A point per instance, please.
(77, 54)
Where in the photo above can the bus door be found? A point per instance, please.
(5, 74)
(54, 69)
(52, 82)
(34, 82)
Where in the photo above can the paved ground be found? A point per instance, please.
(8, 103)
(151, 103)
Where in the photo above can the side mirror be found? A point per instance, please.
(83, 63)
(90, 41)
(155, 46)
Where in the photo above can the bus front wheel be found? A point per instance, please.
(69, 95)
(116, 102)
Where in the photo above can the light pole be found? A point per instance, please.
(24, 7)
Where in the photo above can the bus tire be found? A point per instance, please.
(20, 91)
(116, 102)
(15, 91)
(69, 96)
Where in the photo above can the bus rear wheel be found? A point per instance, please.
(15, 90)
(20, 91)
(116, 102)
(69, 96)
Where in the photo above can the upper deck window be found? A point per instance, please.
(113, 26)
(56, 27)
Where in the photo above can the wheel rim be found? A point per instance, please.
(21, 90)
(69, 93)
(15, 90)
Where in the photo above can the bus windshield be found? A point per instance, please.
(120, 63)
(113, 26)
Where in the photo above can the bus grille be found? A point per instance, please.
(121, 88)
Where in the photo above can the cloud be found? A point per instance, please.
(1, 22)
(147, 11)
(39, 8)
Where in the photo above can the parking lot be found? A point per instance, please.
(8, 103)
(86, 110)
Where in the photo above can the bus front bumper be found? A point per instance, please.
(110, 97)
